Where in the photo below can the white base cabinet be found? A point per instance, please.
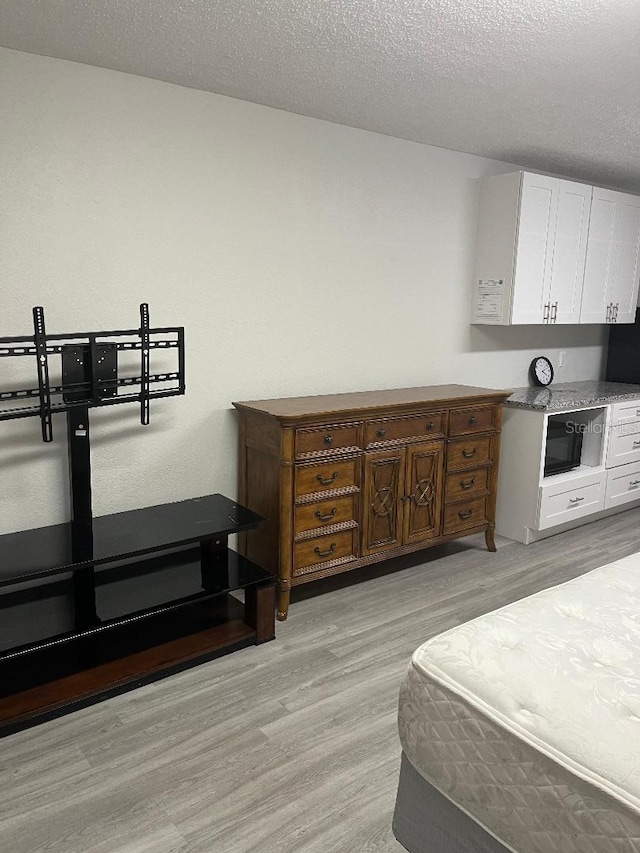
(531, 506)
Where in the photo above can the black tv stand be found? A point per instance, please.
(145, 594)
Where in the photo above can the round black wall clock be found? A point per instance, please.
(541, 371)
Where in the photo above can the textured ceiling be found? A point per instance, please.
(552, 85)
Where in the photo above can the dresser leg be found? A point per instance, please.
(284, 594)
(489, 539)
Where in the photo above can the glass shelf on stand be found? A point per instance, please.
(147, 595)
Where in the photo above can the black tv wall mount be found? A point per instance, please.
(90, 380)
(89, 369)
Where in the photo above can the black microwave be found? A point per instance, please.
(563, 447)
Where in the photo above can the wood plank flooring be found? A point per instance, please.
(289, 747)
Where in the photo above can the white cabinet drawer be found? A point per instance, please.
(623, 485)
(624, 413)
(571, 499)
(624, 444)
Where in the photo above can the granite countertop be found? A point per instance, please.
(572, 395)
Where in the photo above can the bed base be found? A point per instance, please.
(425, 821)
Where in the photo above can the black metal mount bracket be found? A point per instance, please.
(89, 369)
(89, 380)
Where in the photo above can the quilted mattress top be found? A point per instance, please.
(560, 669)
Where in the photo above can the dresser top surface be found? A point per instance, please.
(362, 401)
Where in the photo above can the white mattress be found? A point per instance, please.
(528, 718)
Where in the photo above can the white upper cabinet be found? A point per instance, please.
(532, 240)
(611, 272)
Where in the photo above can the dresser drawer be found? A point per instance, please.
(570, 499)
(385, 430)
(623, 485)
(330, 439)
(326, 476)
(467, 514)
(323, 513)
(466, 484)
(465, 421)
(321, 549)
(468, 452)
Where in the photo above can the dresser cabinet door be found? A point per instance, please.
(403, 496)
(384, 475)
(423, 487)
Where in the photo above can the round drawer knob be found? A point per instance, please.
(328, 440)
(381, 433)
(473, 420)
(430, 425)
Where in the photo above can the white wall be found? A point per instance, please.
(302, 257)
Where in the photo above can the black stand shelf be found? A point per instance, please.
(150, 597)
(94, 607)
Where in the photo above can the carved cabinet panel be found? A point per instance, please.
(384, 475)
(402, 496)
(423, 492)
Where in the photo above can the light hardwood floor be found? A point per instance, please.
(289, 747)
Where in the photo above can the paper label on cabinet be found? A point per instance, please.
(489, 299)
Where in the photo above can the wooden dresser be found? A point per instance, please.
(345, 480)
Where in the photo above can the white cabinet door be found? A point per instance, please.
(564, 296)
(599, 263)
(534, 249)
(623, 291)
(613, 246)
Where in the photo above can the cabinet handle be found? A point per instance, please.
(320, 553)
(608, 319)
(431, 424)
(545, 316)
(467, 484)
(575, 500)
(634, 483)
(381, 433)
(615, 313)
(466, 514)
(638, 413)
(327, 516)
(636, 443)
(473, 420)
(554, 312)
(328, 439)
(469, 454)
(328, 481)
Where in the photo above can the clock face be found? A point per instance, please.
(541, 371)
